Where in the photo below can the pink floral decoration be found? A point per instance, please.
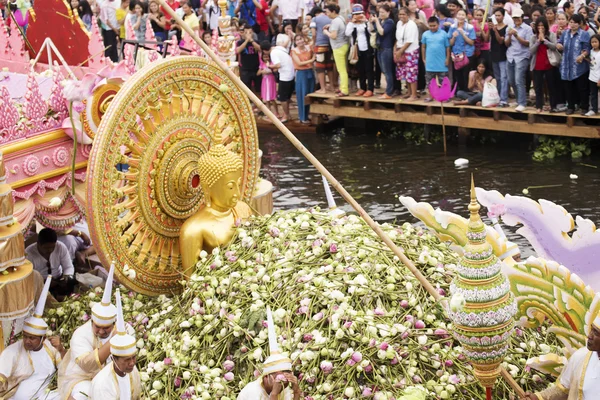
(441, 93)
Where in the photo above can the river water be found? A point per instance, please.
(375, 170)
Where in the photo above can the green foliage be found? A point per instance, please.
(550, 148)
(413, 134)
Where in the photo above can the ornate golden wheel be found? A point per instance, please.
(143, 182)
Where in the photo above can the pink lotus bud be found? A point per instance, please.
(280, 378)
(307, 337)
(384, 346)
(228, 376)
(442, 292)
(244, 349)
(318, 316)
(228, 365)
(347, 324)
(274, 232)
(372, 343)
(333, 248)
(441, 332)
(454, 379)
(404, 304)
(357, 356)
(417, 379)
(368, 369)
(168, 361)
(449, 363)
(177, 382)
(351, 362)
(410, 318)
(394, 361)
(367, 392)
(257, 373)
(326, 367)
(419, 324)
(302, 310)
(379, 311)
(404, 335)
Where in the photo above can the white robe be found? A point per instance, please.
(255, 391)
(579, 379)
(81, 363)
(107, 385)
(26, 374)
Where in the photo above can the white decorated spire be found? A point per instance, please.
(41, 304)
(108, 286)
(273, 345)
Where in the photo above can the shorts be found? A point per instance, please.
(285, 90)
(249, 78)
(323, 58)
(429, 76)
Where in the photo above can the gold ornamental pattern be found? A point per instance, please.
(143, 179)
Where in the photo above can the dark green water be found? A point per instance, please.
(375, 170)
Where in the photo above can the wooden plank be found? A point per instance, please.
(496, 115)
(337, 103)
(429, 110)
(398, 108)
(531, 119)
(367, 105)
(510, 125)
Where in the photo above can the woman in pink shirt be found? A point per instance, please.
(482, 37)
(562, 25)
(427, 7)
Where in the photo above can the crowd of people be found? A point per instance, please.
(539, 54)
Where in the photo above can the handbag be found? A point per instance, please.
(460, 60)
(353, 54)
(400, 58)
(554, 57)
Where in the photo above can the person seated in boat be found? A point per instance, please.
(28, 366)
(220, 172)
(79, 245)
(277, 380)
(579, 378)
(51, 258)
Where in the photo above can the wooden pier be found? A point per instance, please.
(464, 117)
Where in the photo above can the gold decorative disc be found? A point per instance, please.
(158, 125)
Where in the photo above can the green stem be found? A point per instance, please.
(74, 148)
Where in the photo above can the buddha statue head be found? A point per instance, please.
(220, 172)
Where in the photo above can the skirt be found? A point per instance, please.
(409, 71)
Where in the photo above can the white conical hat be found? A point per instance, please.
(35, 325)
(121, 344)
(276, 361)
(104, 313)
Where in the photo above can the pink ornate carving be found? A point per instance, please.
(150, 34)
(129, 32)
(57, 101)
(41, 186)
(45, 161)
(86, 149)
(61, 156)
(96, 48)
(17, 47)
(16, 168)
(4, 43)
(35, 107)
(174, 49)
(31, 165)
(9, 116)
(153, 56)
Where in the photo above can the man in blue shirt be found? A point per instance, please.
(435, 51)
(574, 68)
(517, 57)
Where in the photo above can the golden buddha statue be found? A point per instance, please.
(220, 172)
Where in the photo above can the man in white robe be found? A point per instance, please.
(277, 381)
(119, 379)
(28, 366)
(90, 348)
(580, 378)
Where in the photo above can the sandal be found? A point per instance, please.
(340, 94)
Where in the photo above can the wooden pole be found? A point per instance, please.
(313, 160)
(443, 127)
(317, 164)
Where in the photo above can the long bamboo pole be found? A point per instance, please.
(313, 160)
(316, 163)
